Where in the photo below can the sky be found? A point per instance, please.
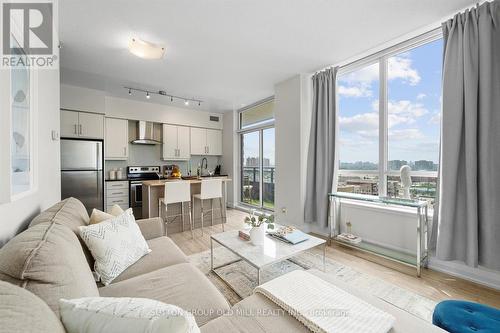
(414, 107)
(251, 145)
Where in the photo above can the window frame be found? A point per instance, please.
(260, 129)
(7, 196)
(381, 58)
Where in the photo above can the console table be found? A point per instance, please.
(417, 260)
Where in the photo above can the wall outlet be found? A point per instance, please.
(55, 135)
(283, 210)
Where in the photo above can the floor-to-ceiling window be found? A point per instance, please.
(257, 168)
(389, 108)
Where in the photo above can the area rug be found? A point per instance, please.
(243, 278)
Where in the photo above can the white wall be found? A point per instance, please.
(291, 126)
(84, 99)
(15, 216)
(230, 153)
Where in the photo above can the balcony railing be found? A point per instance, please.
(250, 186)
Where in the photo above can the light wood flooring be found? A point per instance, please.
(434, 285)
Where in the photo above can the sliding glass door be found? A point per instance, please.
(257, 168)
(257, 174)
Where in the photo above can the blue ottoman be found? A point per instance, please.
(465, 317)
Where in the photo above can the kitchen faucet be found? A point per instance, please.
(204, 159)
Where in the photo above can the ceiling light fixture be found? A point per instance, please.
(165, 94)
(145, 50)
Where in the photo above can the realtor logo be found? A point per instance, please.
(28, 33)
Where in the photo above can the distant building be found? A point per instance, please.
(425, 165)
(397, 164)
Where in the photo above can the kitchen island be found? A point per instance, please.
(153, 190)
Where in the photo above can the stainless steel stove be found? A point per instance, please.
(136, 175)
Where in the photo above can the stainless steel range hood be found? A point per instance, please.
(145, 134)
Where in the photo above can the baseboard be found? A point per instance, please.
(458, 269)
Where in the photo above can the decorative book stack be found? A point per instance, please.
(349, 238)
(244, 234)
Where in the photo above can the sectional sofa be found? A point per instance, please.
(48, 261)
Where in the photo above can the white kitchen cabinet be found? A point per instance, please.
(176, 142)
(69, 124)
(214, 142)
(91, 125)
(76, 124)
(198, 141)
(117, 193)
(206, 141)
(116, 139)
(183, 142)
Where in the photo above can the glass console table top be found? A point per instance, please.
(384, 200)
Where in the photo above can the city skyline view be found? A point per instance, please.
(413, 103)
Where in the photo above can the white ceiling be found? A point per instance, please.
(227, 53)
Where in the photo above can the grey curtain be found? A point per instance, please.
(469, 203)
(321, 154)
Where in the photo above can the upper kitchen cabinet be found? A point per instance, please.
(214, 142)
(76, 124)
(176, 143)
(206, 141)
(116, 139)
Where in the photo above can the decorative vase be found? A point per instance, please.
(257, 234)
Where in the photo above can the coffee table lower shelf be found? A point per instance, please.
(240, 258)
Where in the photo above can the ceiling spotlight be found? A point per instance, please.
(147, 95)
(145, 50)
(186, 102)
(130, 91)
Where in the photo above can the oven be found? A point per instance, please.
(136, 197)
(136, 175)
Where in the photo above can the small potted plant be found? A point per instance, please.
(259, 222)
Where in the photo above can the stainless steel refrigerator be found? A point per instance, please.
(82, 172)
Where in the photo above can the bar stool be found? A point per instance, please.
(176, 192)
(210, 189)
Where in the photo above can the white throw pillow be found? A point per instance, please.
(124, 315)
(115, 244)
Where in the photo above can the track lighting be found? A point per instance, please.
(164, 93)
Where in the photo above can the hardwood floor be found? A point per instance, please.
(434, 285)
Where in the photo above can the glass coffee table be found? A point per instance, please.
(260, 256)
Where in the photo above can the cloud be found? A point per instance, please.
(359, 91)
(421, 96)
(405, 134)
(435, 119)
(359, 83)
(359, 122)
(402, 112)
(399, 67)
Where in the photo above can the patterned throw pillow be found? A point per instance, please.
(115, 244)
(124, 315)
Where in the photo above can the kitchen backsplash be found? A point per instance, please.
(143, 155)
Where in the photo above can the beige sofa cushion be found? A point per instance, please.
(163, 253)
(183, 285)
(71, 213)
(48, 260)
(255, 314)
(21, 311)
